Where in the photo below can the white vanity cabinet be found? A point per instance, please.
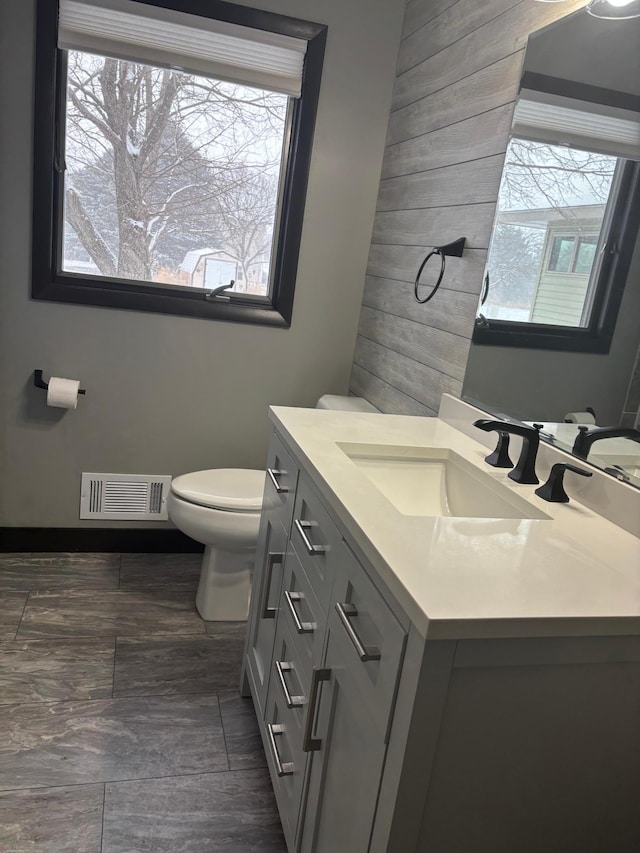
(381, 741)
(322, 670)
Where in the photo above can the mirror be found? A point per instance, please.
(557, 336)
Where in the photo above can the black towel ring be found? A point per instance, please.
(436, 251)
(454, 249)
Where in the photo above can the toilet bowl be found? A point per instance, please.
(220, 508)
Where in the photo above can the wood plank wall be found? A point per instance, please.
(456, 83)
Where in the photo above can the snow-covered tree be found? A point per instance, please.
(515, 261)
(158, 162)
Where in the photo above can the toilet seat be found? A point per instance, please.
(228, 489)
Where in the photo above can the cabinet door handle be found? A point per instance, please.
(346, 612)
(302, 527)
(273, 474)
(301, 627)
(282, 769)
(273, 557)
(309, 743)
(292, 701)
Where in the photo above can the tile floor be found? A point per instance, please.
(121, 725)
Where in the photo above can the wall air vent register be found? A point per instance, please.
(125, 497)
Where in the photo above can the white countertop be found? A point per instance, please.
(574, 574)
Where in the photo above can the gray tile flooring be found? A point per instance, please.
(121, 725)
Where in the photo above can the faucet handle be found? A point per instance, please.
(580, 447)
(500, 456)
(553, 490)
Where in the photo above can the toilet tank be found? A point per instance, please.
(345, 404)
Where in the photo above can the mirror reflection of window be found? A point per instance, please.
(551, 219)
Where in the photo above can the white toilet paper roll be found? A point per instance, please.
(579, 418)
(63, 393)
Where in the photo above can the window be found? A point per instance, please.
(561, 254)
(563, 234)
(585, 255)
(171, 156)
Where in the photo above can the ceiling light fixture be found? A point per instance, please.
(614, 10)
(609, 10)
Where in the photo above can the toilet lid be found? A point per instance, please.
(233, 489)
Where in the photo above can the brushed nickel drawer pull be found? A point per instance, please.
(301, 627)
(282, 769)
(302, 527)
(292, 701)
(346, 612)
(273, 557)
(273, 474)
(309, 743)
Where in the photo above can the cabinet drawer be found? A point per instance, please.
(316, 540)
(281, 482)
(301, 611)
(282, 736)
(290, 674)
(375, 639)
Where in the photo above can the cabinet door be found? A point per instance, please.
(345, 771)
(363, 657)
(265, 592)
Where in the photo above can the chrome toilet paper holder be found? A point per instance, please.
(39, 382)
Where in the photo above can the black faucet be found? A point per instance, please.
(587, 436)
(525, 469)
(553, 489)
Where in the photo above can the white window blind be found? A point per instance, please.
(564, 121)
(139, 32)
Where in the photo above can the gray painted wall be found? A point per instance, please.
(173, 394)
(456, 81)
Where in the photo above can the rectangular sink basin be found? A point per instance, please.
(432, 481)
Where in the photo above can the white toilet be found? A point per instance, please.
(221, 509)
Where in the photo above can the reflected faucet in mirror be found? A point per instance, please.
(587, 436)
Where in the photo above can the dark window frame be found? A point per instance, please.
(608, 290)
(51, 284)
